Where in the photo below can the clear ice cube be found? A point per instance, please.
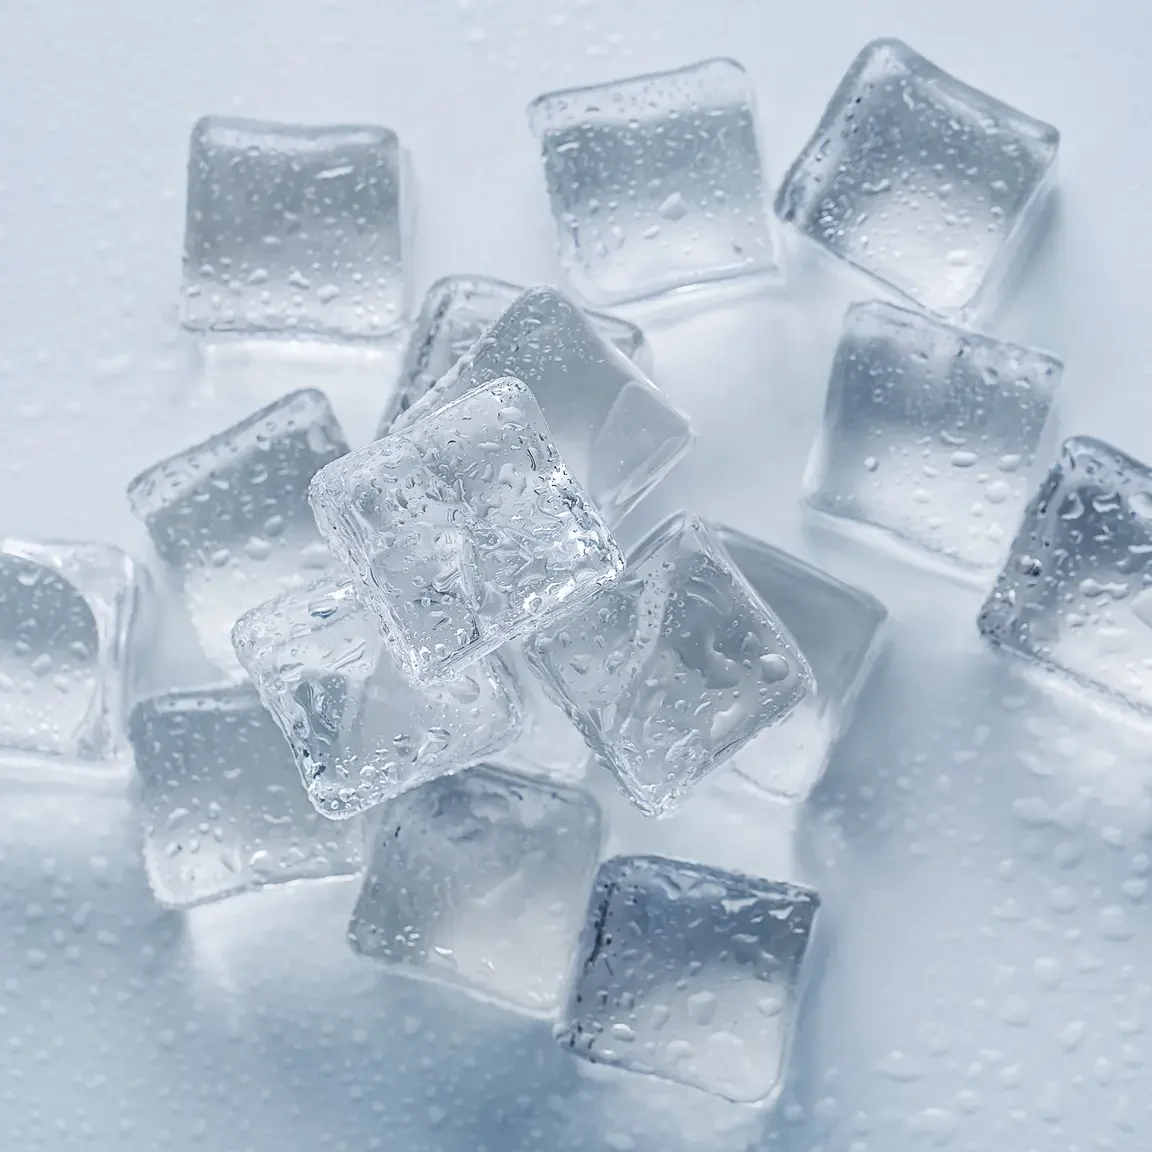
(919, 180)
(839, 629)
(613, 427)
(480, 880)
(656, 182)
(675, 669)
(929, 435)
(691, 974)
(359, 732)
(223, 808)
(1076, 592)
(70, 617)
(229, 517)
(465, 530)
(295, 230)
(458, 311)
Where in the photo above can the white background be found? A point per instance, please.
(986, 983)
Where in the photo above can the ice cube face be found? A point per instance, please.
(70, 620)
(691, 974)
(1076, 592)
(223, 809)
(656, 182)
(929, 436)
(359, 732)
(465, 530)
(839, 629)
(457, 312)
(480, 880)
(919, 180)
(230, 520)
(673, 670)
(295, 230)
(614, 429)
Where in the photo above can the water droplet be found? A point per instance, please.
(773, 668)
(674, 207)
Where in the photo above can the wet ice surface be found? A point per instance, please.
(919, 179)
(359, 732)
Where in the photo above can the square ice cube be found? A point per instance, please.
(465, 530)
(839, 629)
(919, 180)
(458, 311)
(1076, 592)
(229, 517)
(295, 230)
(691, 974)
(361, 734)
(656, 181)
(614, 429)
(929, 435)
(480, 880)
(675, 669)
(223, 808)
(70, 618)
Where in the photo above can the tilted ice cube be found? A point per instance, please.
(1076, 592)
(929, 434)
(838, 628)
(465, 530)
(919, 180)
(673, 670)
(361, 734)
(295, 230)
(70, 614)
(614, 429)
(230, 517)
(223, 808)
(656, 181)
(480, 879)
(691, 974)
(458, 311)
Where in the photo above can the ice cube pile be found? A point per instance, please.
(430, 653)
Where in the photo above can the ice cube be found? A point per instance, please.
(673, 670)
(223, 809)
(929, 435)
(1076, 592)
(230, 518)
(919, 180)
(458, 311)
(839, 629)
(70, 621)
(465, 530)
(614, 429)
(656, 181)
(295, 230)
(360, 734)
(480, 880)
(691, 974)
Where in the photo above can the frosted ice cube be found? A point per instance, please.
(919, 180)
(223, 808)
(656, 181)
(673, 670)
(480, 880)
(839, 630)
(230, 518)
(1076, 592)
(360, 734)
(691, 974)
(465, 530)
(929, 435)
(458, 311)
(295, 230)
(70, 617)
(614, 429)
